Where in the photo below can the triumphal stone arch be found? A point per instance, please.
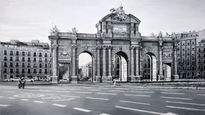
(146, 58)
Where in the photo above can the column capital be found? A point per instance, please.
(54, 46)
(132, 47)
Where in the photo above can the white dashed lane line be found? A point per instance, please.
(38, 102)
(82, 109)
(172, 93)
(104, 114)
(1, 96)
(83, 92)
(141, 91)
(3, 105)
(185, 108)
(137, 95)
(178, 98)
(123, 101)
(11, 98)
(106, 93)
(185, 103)
(201, 94)
(59, 105)
(24, 99)
(94, 98)
(139, 110)
(69, 99)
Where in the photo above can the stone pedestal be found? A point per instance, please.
(98, 79)
(54, 79)
(106, 78)
(176, 77)
(74, 80)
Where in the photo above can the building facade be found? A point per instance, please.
(25, 59)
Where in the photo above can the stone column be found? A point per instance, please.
(176, 76)
(98, 77)
(132, 63)
(74, 77)
(109, 64)
(55, 63)
(104, 77)
(137, 63)
(160, 76)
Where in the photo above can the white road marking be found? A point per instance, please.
(3, 105)
(116, 91)
(123, 101)
(198, 104)
(172, 93)
(138, 110)
(142, 91)
(38, 102)
(105, 99)
(11, 98)
(186, 108)
(72, 98)
(74, 89)
(169, 113)
(137, 95)
(1, 96)
(176, 98)
(83, 92)
(59, 105)
(82, 109)
(107, 93)
(201, 94)
(104, 114)
(24, 99)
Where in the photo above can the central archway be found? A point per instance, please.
(85, 67)
(121, 66)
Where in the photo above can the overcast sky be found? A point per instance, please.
(32, 19)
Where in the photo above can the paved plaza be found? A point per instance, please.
(100, 100)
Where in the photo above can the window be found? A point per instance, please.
(34, 71)
(5, 58)
(40, 65)
(29, 53)
(23, 53)
(29, 65)
(11, 53)
(34, 54)
(17, 64)
(46, 65)
(23, 65)
(29, 70)
(17, 53)
(40, 54)
(5, 52)
(34, 59)
(5, 64)
(17, 58)
(40, 59)
(11, 71)
(46, 55)
(11, 58)
(45, 71)
(17, 70)
(40, 71)
(11, 64)
(29, 59)
(23, 58)
(5, 70)
(46, 60)
(23, 71)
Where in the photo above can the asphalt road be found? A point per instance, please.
(100, 100)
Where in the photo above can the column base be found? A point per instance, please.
(135, 78)
(106, 78)
(160, 77)
(74, 80)
(98, 79)
(54, 79)
(176, 77)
